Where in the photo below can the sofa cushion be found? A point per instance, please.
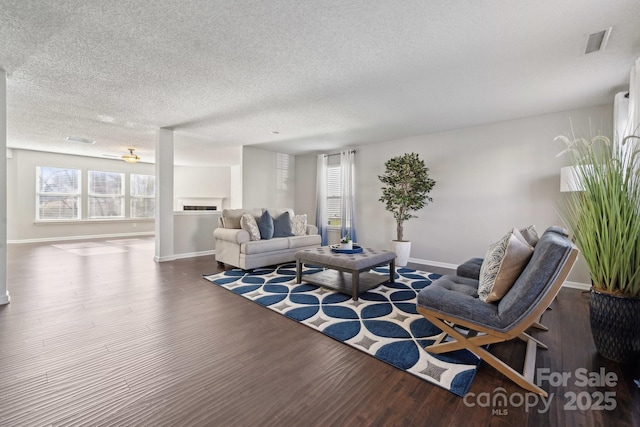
(455, 294)
(282, 226)
(299, 225)
(304, 241)
(264, 246)
(276, 212)
(503, 263)
(548, 259)
(448, 294)
(470, 268)
(265, 224)
(248, 223)
(231, 217)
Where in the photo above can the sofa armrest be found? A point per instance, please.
(311, 229)
(233, 235)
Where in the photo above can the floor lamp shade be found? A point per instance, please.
(570, 179)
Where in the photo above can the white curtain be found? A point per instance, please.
(634, 99)
(627, 116)
(321, 198)
(347, 167)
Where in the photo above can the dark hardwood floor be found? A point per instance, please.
(114, 338)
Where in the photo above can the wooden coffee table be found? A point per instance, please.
(346, 273)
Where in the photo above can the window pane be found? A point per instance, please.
(334, 182)
(106, 207)
(334, 211)
(58, 180)
(58, 207)
(106, 194)
(106, 183)
(334, 193)
(282, 171)
(143, 208)
(143, 185)
(143, 190)
(58, 193)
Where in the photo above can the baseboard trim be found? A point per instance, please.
(576, 285)
(426, 262)
(164, 258)
(5, 299)
(433, 263)
(194, 254)
(95, 236)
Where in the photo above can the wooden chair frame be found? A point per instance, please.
(479, 336)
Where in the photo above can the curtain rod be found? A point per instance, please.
(337, 154)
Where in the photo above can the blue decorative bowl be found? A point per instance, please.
(336, 248)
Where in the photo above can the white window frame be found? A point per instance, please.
(91, 195)
(77, 195)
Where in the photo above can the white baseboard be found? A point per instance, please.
(194, 254)
(84, 237)
(433, 263)
(576, 285)
(426, 262)
(183, 256)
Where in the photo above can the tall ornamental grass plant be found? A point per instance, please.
(604, 218)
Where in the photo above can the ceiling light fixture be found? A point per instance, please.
(80, 140)
(131, 158)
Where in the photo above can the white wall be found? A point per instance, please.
(488, 179)
(305, 187)
(196, 182)
(21, 198)
(235, 200)
(193, 233)
(263, 185)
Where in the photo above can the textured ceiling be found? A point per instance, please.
(322, 74)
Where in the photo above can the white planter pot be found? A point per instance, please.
(402, 250)
(346, 246)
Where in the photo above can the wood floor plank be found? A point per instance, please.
(119, 339)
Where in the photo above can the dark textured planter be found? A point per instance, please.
(615, 325)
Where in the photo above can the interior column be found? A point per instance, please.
(4, 292)
(164, 196)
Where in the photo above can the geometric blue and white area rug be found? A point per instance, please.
(383, 322)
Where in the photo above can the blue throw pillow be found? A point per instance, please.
(265, 225)
(282, 226)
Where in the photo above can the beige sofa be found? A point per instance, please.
(233, 245)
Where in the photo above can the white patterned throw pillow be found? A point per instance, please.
(503, 263)
(299, 225)
(248, 223)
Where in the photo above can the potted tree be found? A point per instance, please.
(406, 189)
(604, 218)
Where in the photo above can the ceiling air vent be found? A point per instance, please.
(597, 41)
(80, 140)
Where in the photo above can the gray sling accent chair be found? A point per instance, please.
(453, 300)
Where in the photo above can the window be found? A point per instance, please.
(58, 194)
(282, 171)
(334, 195)
(106, 195)
(143, 193)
